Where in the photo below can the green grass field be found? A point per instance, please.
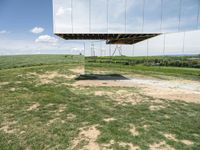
(170, 61)
(7, 62)
(181, 66)
(42, 109)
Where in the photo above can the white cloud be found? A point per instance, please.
(174, 45)
(116, 16)
(9, 46)
(61, 11)
(37, 30)
(46, 39)
(3, 32)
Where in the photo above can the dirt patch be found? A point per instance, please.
(46, 81)
(129, 145)
(52, 75)
(18, 82)
(103, 93)
(55, 120)
(107, 146)
(52, 121)
(4, 83)
(49, 105)
(7, 127)
(48, 77)
(109, 119)
(125, 97)
(102, 83)
(78, 70)
(22, 132)
(122, 97)
(133, 130)
(167, 117)
(159, 89)
(187, 142)
(13, 89)
(158, 102)
(61, 108)
(172, 94)
(146, 127)
(173, 138)
(71, 116)
(160, 146)
(33, 107)
(89, 135)
(57, 116)
(156, 107)
(66, 84)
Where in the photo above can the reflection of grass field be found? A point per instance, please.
(42, 111)
(173, 61)
(189, 73)
(187, 66)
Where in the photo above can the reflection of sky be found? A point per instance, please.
(19, 17)
(75, 16)
(173, 46)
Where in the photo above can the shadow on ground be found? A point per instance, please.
(101, 77)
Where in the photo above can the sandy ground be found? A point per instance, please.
(178, 89)
(79, 70)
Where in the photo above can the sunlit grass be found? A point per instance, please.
(49, 116)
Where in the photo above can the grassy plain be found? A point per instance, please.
(42, 108)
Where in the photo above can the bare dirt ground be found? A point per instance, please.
(88, 134)
(48, 77)
(78, 70)
(175, 89)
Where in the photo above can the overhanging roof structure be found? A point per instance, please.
(111, 38)
(118, 21)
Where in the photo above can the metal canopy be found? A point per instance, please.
(114, 38)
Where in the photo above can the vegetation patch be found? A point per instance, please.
(96, 114)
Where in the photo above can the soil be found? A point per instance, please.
(6, 127)
(88, 134)
(33, 107)
(184, 90)
(161, 146)
(78, 70)
(134, 131)
(109, 119)
(48, 77)
(173, 138)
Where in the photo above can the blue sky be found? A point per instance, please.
(26, 26)
(187, 10)
(20, 16)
